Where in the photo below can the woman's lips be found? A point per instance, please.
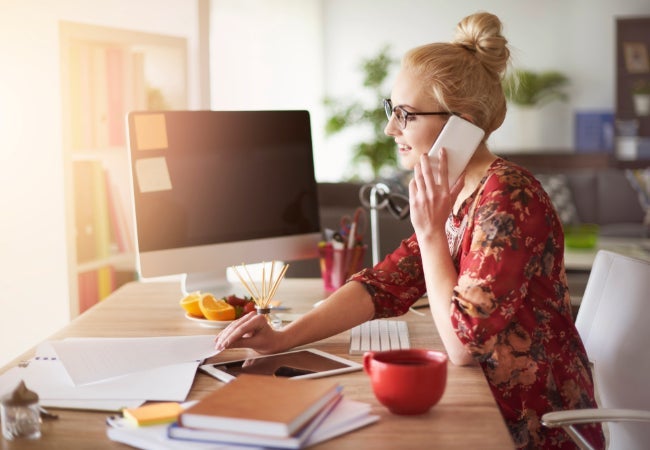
(403, 148)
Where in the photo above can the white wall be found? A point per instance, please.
(33, 279)
(573, 36)
(268, 54)
(320, 55)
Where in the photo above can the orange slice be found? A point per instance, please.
(214, 309)
(190, 303)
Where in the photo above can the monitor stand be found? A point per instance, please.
(213, 283)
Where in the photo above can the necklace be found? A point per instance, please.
(455, 234)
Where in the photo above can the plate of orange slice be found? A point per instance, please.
(207, 310)
(206, 323)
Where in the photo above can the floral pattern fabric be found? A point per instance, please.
(511, 306)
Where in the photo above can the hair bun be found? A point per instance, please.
(480, 33)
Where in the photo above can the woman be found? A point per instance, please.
(489, 249)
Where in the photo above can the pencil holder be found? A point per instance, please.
(338, 264)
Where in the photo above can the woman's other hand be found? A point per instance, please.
(250, 331)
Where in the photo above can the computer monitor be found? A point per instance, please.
(213, 189)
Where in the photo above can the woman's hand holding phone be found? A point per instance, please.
(430, 197)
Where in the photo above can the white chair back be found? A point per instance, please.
(614, 323)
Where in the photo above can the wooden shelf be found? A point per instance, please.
(631, 31)
(547, 159)
(105, 73)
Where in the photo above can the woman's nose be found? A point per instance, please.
(390, 129)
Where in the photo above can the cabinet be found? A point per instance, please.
(106, 72)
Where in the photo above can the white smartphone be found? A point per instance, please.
(460, 138)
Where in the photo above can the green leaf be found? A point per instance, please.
(379, 151)
(527, 88)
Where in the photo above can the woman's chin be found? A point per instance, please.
(406, 161)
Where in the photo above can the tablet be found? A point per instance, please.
(304, 363)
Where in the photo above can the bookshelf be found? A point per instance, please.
(632, 33)
(106, 72)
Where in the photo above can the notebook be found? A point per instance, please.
(251, 403)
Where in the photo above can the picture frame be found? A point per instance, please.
(636, 57)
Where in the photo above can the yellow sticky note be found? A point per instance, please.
(152, 174)
(151, 132)
(153, 414)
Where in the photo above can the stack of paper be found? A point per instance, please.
(111, 373)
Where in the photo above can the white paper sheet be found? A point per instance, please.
(49, 379)
(88, 360)
(46, 375)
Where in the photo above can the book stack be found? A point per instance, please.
(260, 410)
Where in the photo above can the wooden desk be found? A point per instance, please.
(466, 417)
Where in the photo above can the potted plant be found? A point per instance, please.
(641, 97)
(529, 89)
(378, 150)
(528, 92)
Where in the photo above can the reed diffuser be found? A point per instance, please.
(263, 293)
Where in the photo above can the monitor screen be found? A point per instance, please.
(212, 189)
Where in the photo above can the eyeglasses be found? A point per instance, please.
(402, 115)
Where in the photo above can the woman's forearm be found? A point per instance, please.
(347, 307)
(441, 276)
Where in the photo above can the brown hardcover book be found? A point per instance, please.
(261, 404)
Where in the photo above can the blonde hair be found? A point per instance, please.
(465, 75)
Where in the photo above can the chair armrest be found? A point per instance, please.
(591, 415)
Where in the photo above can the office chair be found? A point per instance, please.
(613, 322)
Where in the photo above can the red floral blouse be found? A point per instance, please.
(511, 306)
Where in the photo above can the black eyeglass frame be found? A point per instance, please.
(389, 109)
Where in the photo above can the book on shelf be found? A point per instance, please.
(96, 284)
(106, 81)
(84, 210)
(81, 95)
(105, 281)
(120, 229)
(88, 290)
(261, 404)
(116, 94)
(100, 96)
(102, 226)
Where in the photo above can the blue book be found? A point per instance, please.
(594, 131)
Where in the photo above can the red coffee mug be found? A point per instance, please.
(407, 382)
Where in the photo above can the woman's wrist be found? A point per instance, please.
(283, 340)
(433, 241)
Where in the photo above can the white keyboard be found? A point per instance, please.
(379, 335)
